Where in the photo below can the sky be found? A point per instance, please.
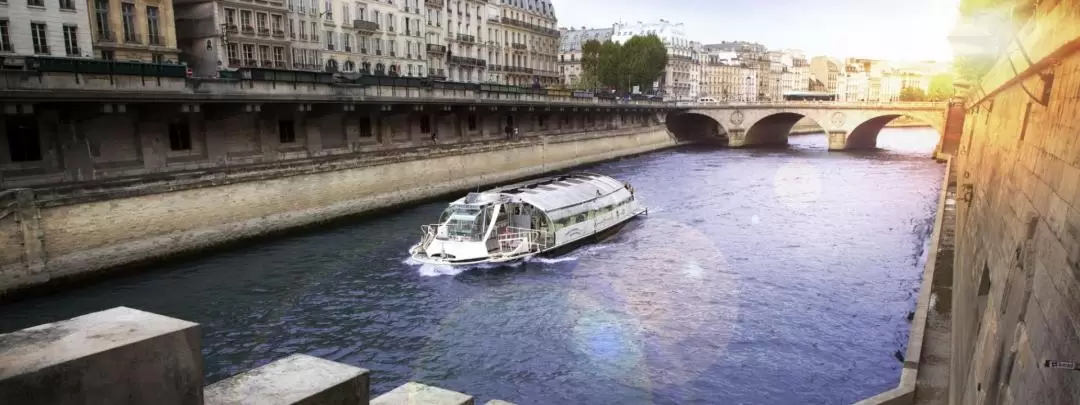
(881, 29)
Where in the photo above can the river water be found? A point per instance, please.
(758, 277)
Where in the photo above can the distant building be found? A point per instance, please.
(48, 28)
(570, 43)
(676, 81)
(823, 72)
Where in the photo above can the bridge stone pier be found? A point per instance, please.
(849, 125)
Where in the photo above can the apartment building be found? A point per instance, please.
(40, 27)
(136, 30)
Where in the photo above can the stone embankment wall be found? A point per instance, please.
(51, 234)
(808, 126)
(1016, 286)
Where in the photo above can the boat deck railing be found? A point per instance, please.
(511, 240)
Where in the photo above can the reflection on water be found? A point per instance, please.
(758, 277)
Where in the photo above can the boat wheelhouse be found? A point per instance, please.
(525, 219)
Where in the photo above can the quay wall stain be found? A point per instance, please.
(91, 235)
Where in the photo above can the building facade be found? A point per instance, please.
(570, 43)
(727, 78)
(675, 83)
(524, 46)
(39, 27)
(435, 48)
(230, 34)
(140, 30)
(823, 73)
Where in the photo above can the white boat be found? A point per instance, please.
(521, 220)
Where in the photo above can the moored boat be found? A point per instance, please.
(525, 219)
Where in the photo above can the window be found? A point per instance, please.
(365, 127)
(108, 55)
(230, 16)
(179, 136)
(472, 122)
(425, 124)
(71, 40)
(330, 40)
(245, 19)
(36, 3)
(67, 4)
(24, 142)
(157, 58)
(345, 14)
(261, 21)
(153, 27)
(286, 132)
(249, 52)
(233, 51)
(279, 55)
(128, 12)
(276, 20)
(39, 34)
(264, 54)
(5, 36)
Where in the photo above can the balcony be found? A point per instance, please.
(437, 73)
(467, 61)
(348, 48)
(234, 61)
(390, 30)
(330, 47)
(232, 29)
(434, 3)
(132, 39)
(436, 49)
(518, 47)
(279, 64)
(264, 32)
(155, 40)
(251, 62)
(469, 39)
(249, 30)
(551, 32)
(105, 36)
(279, 34)
(365, 27)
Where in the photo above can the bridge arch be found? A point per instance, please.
(772, 130)
(864, 135)
(696, 127)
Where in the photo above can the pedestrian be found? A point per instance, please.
(509, 131)
(515, 132)
(435, 137)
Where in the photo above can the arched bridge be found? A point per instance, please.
(849, 125)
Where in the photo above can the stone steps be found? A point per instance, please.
(127, 356)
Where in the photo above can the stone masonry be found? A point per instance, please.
(1016, 302)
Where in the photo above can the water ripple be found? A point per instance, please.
(757, 277)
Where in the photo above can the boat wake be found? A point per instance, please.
(437, 270)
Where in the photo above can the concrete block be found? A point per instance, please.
(414, 393)
(297, 379)
(498, 402)
(116, 356)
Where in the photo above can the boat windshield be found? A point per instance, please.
(464, 223)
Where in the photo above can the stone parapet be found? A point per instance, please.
(117, 356)
(31, 86)
(297, 379)
(124, 356)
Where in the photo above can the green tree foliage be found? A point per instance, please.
(639, 61)
(912, 94)
(941, 87)
(645, 58)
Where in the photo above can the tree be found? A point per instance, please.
(645, 58)
(612, 68)
(912, 94)
(941, 87)
(590, 63)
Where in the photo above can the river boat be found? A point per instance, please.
(522, 220)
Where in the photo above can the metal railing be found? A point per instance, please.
(519, 241)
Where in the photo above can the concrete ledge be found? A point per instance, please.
(904, 393)
(116, 356)
(414, 393)
(297, 379)
(498, 402)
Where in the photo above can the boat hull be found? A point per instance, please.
(553, 251)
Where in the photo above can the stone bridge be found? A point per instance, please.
(849, 125)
